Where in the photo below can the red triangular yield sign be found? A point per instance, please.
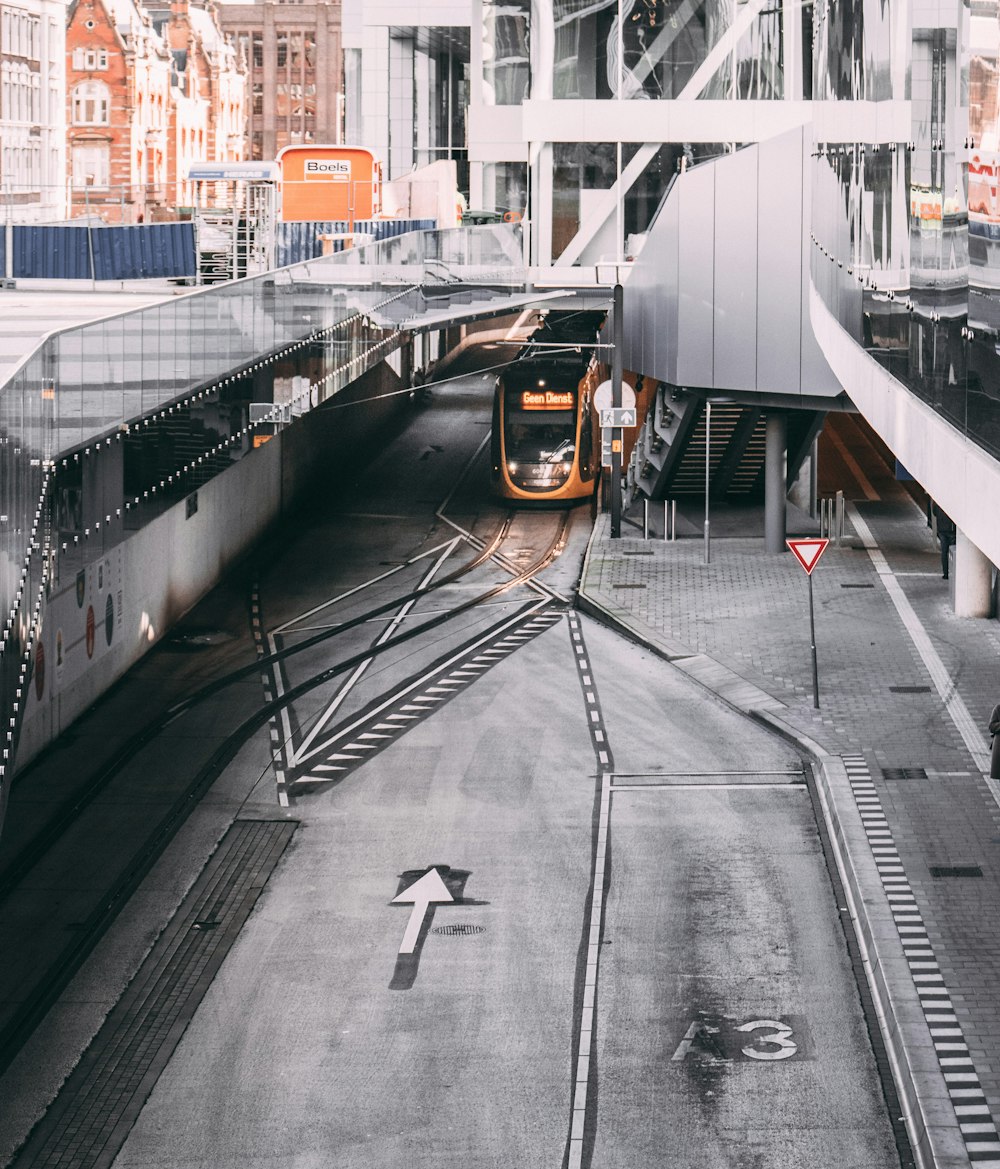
(808, 552)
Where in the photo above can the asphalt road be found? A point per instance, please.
(624, 949)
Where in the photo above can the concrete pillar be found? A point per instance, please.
(973, 579)
(775, 483)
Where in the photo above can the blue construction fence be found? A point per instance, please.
(295, 242)
(162, 250)
(143, 252)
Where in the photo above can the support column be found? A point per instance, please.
(973, 579)
(775, 482)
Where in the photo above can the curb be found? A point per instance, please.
(928, 1113)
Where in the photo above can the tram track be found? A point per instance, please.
(108, 902)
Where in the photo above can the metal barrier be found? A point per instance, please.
(89, 391)
(68, 252)
(832, 513)
(296, 242)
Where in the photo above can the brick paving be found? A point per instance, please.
(748, 611)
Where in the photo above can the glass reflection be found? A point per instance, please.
(173, 394)
(663, 44)
(906, 237)
(506, 57)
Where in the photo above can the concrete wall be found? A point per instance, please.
(960, 475)
(718, 297)
(130, 597)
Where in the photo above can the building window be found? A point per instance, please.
(91, 104)
(90, 60)
(91, 166)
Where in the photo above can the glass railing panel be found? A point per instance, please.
(184, 366)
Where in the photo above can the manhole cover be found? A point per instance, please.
(956, 871)
(909, 689)
(904, 773)
(454, 931)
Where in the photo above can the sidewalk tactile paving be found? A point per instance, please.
(99, 1103)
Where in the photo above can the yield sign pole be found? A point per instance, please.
(807, 553)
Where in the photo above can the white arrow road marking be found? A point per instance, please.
(429, 888)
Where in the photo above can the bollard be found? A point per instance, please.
(645, 519)
(840, 516)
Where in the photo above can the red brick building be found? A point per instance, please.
(208, 111)
(118, 111)
(148, 92)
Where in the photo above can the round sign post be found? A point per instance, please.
(604, 395)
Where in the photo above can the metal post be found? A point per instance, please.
(812, 643)
(617, 334)
(840, 516)
(673, 519)
(645, 519)
(813, 477)
(666, 519)
(708, 478)
(775, 483)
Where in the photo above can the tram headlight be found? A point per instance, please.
(566, 468)
(512, 467)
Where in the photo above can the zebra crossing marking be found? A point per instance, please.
(437, 689)
(950, 1046)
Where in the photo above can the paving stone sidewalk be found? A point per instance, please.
(749, 613)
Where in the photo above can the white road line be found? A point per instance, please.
(361, 587)
(355, 676)
(416, 684)
(965, 724)
(597, 883)
(706, 787)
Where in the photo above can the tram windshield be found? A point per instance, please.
(540, 440)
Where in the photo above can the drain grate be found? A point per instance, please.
(458, 931)
(628, 586)
(903, 773)
(857, 586)
(642, 552)
(956, 871)
(909, 689)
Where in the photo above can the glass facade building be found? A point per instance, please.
(549, 137)
(905, 214)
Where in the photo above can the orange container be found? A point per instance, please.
(329, 182)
